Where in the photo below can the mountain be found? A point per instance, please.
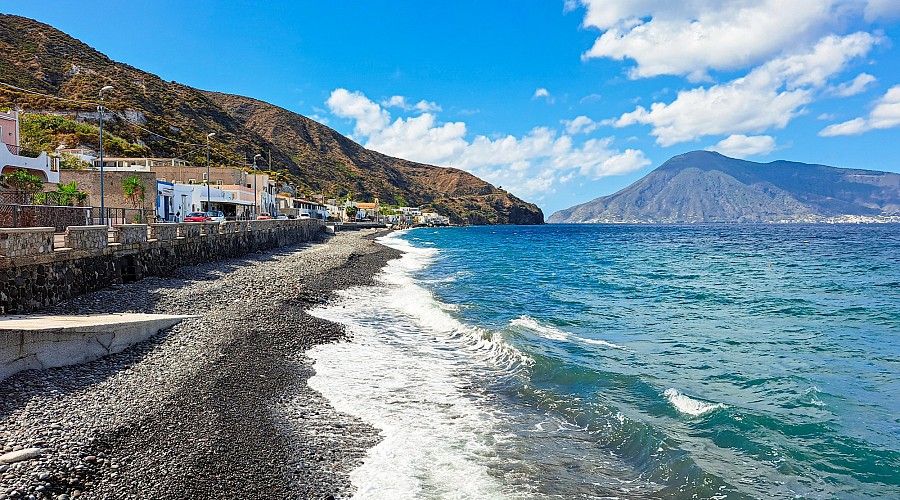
(704, 186)
(147, 116)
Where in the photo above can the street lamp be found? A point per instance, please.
(102, 179)
(255, 199)
(208, 179)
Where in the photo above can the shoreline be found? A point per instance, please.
(217, 406)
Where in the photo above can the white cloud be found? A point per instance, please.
(855, 126)
(885, 114)
(692, 37)
(399, 101)
(885, 9)
(769, 97)
(419, 138)
(742, 146)
(856, 86)
(580, 125)
(543, 93)
(368, 116)
(529, 165)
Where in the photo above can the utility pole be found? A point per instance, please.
(102, 178)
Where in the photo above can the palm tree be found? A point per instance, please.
(69, 195)
(134, 190)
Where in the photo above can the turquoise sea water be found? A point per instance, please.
(702, 361)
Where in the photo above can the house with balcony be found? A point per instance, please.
(13, 157)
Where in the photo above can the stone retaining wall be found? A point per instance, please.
(31, 282)
(19, 242)
(87, 237)
(164, 231)
(129, 234)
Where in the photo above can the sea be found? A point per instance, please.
(625, 361)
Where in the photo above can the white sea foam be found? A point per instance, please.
(405, 373)
(553, 333)
(688, 405)
(548, 332)
(602, 342)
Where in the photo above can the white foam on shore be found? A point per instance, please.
(405, 373)
(688, 405)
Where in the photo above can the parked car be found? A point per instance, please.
(264, 216)
(216, 216)
(304, 216)
(282, 217)
(197, 217)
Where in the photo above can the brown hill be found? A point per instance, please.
(158, 118)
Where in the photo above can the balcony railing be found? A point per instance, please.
(19, 151)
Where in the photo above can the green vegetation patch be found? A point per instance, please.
(46, 132)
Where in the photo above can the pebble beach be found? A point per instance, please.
(215, 407)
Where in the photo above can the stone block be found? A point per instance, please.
(87, 237)
(128, 234)
(189, 229)
(18, 242)
(164, 231)
(210, 228)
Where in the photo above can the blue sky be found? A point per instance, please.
(558, 101)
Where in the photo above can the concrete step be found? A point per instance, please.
(43, 341)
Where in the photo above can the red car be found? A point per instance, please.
(197, 217)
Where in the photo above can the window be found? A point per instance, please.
(192, 181)
(204, 176)
(218, 183)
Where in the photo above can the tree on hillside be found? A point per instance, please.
(72, 162)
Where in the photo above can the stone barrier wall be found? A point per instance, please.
(19, 242)
(130, 234)
(31, 282)
(208, 228)
(164, 231)
(189, 229)
(87, 237)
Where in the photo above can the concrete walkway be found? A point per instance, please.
(41, 341)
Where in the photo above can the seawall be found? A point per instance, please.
(39, 268)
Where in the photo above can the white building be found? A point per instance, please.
(13, 157)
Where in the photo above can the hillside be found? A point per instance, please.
(148, 116)
(704, 186)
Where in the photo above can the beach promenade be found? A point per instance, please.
(214, 407)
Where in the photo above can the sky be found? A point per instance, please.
(557, 101)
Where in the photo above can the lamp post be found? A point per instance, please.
(102, 178)
(208, 179)
(255, 198)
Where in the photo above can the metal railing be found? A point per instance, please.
(122, 215)
(15, 215)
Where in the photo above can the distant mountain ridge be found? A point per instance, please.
(704, 186)
(143, 108)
